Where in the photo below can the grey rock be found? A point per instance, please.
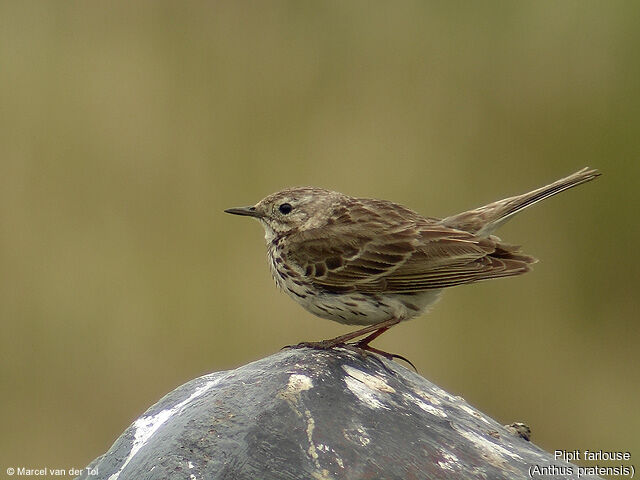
(308, 414)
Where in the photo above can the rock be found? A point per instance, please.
(309, 414)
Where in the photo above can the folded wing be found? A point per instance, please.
(401, 255)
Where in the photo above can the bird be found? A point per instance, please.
(375, 263)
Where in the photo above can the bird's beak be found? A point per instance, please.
(245, 211)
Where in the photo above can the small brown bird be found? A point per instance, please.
(362, 261)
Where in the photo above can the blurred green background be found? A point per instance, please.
(127, 128)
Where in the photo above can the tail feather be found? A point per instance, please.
(512, 252)
(484, 220)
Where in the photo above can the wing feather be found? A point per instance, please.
(400, 256)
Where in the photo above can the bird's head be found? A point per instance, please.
(291, 210)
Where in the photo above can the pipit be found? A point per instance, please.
(361, 261)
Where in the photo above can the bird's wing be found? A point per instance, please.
(456, 259)
(400, 256)
(350, 256)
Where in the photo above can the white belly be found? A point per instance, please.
(358, 309)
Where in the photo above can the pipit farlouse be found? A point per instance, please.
(362, 261)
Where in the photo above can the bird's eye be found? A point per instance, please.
(285, 208)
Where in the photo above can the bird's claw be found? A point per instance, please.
(360, 348)
(322, 345)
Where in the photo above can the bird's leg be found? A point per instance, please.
(371, 337)
(364, 345)
(377, 329)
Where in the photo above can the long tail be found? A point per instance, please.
(484, 220)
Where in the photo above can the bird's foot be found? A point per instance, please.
(361, 348)
(365, 347)
(321, 345)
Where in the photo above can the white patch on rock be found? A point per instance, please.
(312, 447)
(191, 467)
(450, 462)
(425, 406)
(494, 453)
(365, 394)
(369, 389)
(320, 473)
(371, 381)
(299, 383)
(471, 411)
(145, 427)
(358, 435)
(428, 397)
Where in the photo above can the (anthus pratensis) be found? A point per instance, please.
(361, 261)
